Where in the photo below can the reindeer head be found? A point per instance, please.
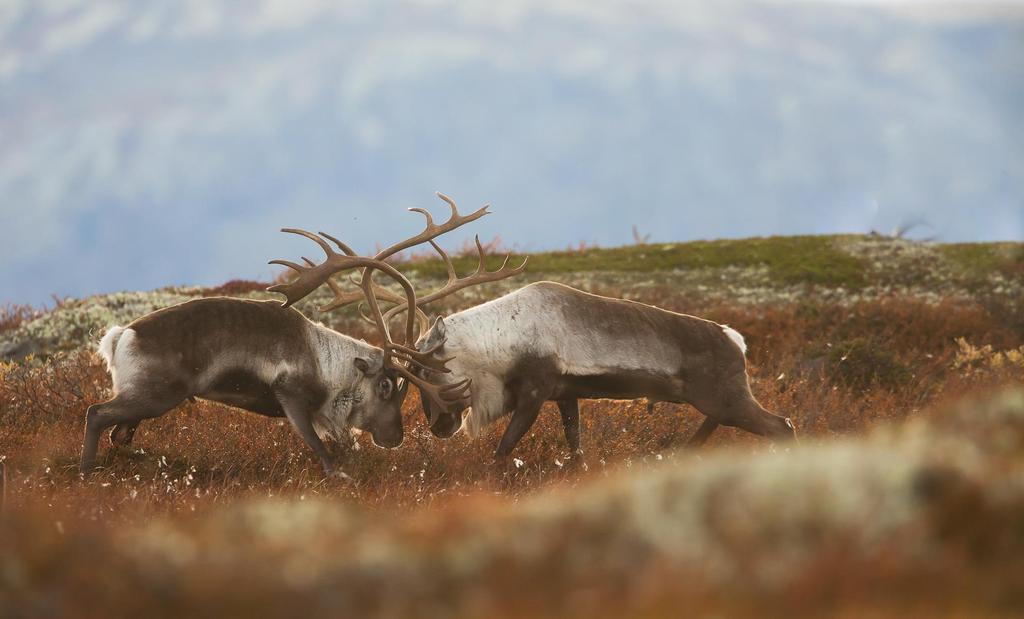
(377, 402)
(443, 419)
(405, 363)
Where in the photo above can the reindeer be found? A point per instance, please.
(267, 358)
(548, 341)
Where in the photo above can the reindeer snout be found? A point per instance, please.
(388, 441)
(446, 425)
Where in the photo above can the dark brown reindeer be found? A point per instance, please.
(266, 357)
(548, 341)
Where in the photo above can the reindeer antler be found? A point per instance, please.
(429, 233)
(432, 231)
(312, 276)
(455, 283)
(399, 356)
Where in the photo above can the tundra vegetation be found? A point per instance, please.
(901, 364)
(267, 358)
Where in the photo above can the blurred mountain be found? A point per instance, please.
(155, 143)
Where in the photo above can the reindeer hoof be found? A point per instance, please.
(504, 466)
(571, 460)
(340, 475)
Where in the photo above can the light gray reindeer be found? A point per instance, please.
(266, 357)
(548, 341)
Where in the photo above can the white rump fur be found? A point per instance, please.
(118, 351)
(108, 344)
(735, 336)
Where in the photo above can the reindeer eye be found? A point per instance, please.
(384, 388)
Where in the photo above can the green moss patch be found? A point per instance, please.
(983, 259)
(789, 260)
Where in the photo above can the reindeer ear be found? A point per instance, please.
(371, 365)
(434, 336)
(363, 365)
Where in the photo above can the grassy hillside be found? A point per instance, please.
(896, 501)
(683, 276)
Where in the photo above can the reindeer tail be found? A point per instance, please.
(108, 344)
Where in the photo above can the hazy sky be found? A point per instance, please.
(149, 143)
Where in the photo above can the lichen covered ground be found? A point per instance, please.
(901, 364)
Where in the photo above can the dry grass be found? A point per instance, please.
(838, 369)
(795, 366)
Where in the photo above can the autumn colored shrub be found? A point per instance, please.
(13, 315)
(862, 363)
(921, 521)
(796, 362)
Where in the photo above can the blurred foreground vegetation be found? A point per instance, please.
(901, 364)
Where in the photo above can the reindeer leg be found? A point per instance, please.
(300, 401)
(735, 406)
(527, 409)
(570, 411)
(127, 409)
(754, 418)
(93, 427)
(703, 432)
(299, 411)
(302, 421)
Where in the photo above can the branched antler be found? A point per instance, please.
(342, 298)
(312, 276)
(399, 356)
(429, 233)
(455, 283)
